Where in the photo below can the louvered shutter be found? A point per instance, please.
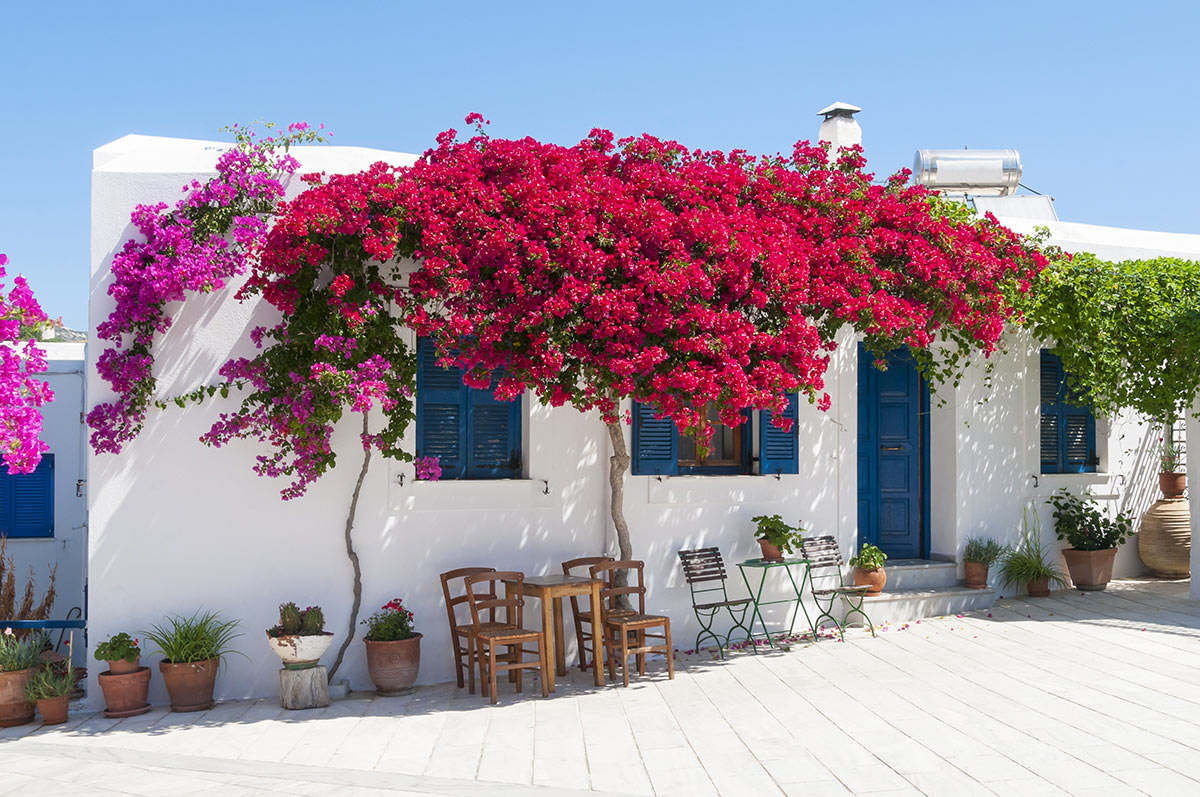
(441, 412)
(1051, 391)
(655, 443)
(779, 451)
(494, 434)
(28, 498)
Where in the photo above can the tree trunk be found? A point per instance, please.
(353, 557)
(618, 464)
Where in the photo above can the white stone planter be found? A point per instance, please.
(300, 652)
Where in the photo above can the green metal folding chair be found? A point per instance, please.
(824, 553)
(704, 566)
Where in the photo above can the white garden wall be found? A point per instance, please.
(177, 526)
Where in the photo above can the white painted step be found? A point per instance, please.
(894, 606)
(920, 574)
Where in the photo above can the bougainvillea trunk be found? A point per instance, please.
(618, 465)
(352, 555)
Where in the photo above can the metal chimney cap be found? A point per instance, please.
(839, 109)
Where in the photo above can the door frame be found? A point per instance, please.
(865, 359)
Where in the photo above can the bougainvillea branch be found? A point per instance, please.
(195, 247)
(21, 394)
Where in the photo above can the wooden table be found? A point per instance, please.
(550, 590)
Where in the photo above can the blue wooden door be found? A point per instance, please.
(892, 456)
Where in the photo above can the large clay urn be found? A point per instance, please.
(125, 693)
(393, 665)
(874, 580)
(190, 683)
(1090, 570)
(14, 708)
(1165, 538)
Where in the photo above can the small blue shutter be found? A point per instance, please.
(1068, 434)
(1051, 380)
(494, 433)
(655, 443)
(779, 451)
(441, 412)
(28, 501)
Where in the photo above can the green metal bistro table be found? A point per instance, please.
(762, 566)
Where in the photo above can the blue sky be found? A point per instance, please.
(1102, 105)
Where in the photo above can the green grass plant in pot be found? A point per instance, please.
(981, 553)
(393, 648)
(126, 684)
(192, 649)
(1028, 563)
(18, 658)
(50, 688)
(775, 537)
(1093, 538)
(868, 568)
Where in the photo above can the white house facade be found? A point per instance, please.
(176, 526)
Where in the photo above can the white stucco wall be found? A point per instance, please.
(63, 432)
(176, 526)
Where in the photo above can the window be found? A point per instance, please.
(27, 501)
(473, 435)
(1068, 435)
(660, 450)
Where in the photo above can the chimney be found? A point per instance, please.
(839, 128)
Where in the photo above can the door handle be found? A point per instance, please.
(891, 448)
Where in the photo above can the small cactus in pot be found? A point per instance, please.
(300, 637)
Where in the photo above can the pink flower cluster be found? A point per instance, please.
(21, 394)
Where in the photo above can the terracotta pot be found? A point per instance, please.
(14, 708)
(975, 575)
(1090, 570)
(190, 683)
(393, 665)
(54, 709)
(875, 579)
(1165, 538)
(769, 552)
(300, 652)
(1172, 484)
(1038, 588)
(125, 695)
(122, 667)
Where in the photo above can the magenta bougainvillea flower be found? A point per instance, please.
(21, 394)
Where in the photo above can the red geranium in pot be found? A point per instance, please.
(393, 648)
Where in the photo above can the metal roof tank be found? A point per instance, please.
(979, 172)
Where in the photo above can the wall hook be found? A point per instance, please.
(1035, 480)
(401, 482)
(546, 484)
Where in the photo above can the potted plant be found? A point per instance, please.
(1027, 564)
(18, 658)
(981, 553)
(393, 648)
(1093, 538)
(300, 637)
(50, 687)
(192, 649)
(126, 683)
(868, 568)
(775, 537)
(1172, 480)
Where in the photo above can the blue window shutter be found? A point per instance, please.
(28, 498)
(494, 433)
(779, 451)
(655, 443)
(441, 412)
(1051, 388)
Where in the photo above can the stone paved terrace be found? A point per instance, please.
(1095, 694)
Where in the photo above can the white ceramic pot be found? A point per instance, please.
(300, 652)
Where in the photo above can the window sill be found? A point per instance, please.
(714, 489)
(466, 494)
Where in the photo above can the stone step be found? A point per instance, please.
(895, 606)
(920, 574)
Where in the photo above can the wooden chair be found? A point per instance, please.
(704, 571)
(509, 635)
(617, 624)
(460, 631)
(824, 553)
(584, 638)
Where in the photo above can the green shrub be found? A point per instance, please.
(1085, 528)
(390, 623)
(1029, 562)
(117, 648)
(772, 529)
(869, 558)
(197, 638)
(984, 551)
(20, 654)
(49, 682)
